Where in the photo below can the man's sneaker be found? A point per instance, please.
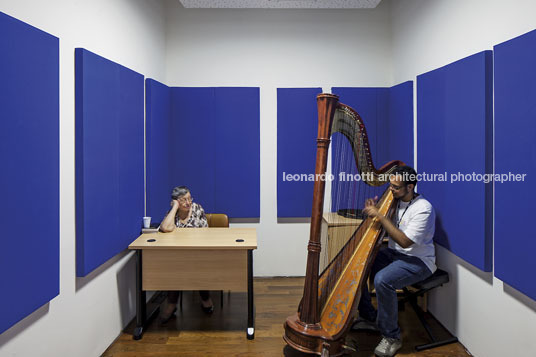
(387, 347)
(364, 325)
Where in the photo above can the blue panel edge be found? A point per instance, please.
(79, 159)
(489, 195)
(152, 202)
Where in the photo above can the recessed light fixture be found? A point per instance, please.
(280, 4)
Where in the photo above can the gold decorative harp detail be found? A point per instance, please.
(330, 299)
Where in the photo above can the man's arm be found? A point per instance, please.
(394, 233)
(168, 224)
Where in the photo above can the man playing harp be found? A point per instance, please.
(331, 296)
(409, 258)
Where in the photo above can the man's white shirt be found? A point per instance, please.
(417, 220)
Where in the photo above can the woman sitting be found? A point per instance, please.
(184, 213)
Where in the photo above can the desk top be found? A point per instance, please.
(198, 238)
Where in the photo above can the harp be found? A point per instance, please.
(330, 299)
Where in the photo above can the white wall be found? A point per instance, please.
(89, 313)
(489, 317)
(272, 49)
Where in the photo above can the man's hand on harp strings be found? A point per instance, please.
(370, 207)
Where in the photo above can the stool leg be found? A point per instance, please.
(434, 343)
(420, 315)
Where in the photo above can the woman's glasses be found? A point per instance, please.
(185, 200)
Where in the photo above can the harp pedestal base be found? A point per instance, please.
(311, 338)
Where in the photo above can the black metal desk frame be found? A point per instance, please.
(143, 319)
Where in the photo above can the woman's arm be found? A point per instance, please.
(168, 224)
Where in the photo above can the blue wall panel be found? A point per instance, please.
(109, 158)
(454, 107)
(215, 148)
(158, 136)
(237, 151)
(297, 130)
(515, 150)
(388, 117)
(29, 184)
(399, 136)
(192, 143)
(372, 105)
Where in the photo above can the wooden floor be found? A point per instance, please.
(192, 333)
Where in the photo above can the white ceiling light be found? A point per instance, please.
(281, 4)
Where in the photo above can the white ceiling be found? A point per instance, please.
(281, 4)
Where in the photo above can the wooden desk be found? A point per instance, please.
(194, 259)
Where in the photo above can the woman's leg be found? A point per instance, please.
(205, 298)
(206, 301)
(171, 306)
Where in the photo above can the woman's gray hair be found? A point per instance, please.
(179, 191)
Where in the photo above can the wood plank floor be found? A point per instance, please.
(192, 333)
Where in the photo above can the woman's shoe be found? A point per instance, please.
(165, 319)
(207, 310)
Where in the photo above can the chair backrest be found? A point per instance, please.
(217, 220)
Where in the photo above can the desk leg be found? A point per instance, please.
(142, 320)
(140, 299)
(251, 306)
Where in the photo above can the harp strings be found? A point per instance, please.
(360, 180)
(348, 194)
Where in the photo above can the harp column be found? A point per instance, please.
(327, 103)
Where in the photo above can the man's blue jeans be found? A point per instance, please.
(391, 270)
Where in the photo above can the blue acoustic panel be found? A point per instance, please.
(399, 138)
(192, 143)
(388, 117)
(297, 130)
(109, 158)
(29, 183)
(372, 104)
(158, 144)
(237, 151)
(454, 112)
(515, 153)
(215, 147)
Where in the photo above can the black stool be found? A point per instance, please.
(439, 278)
